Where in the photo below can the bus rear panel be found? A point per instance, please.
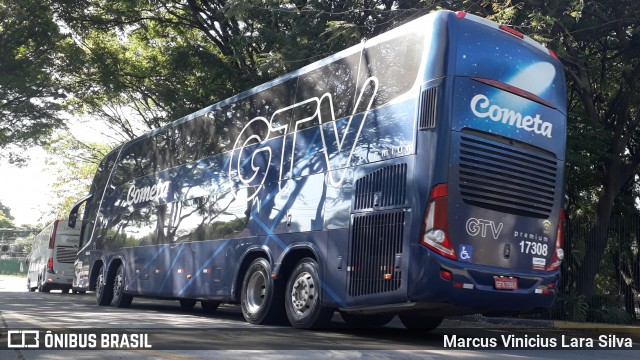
(492, 232)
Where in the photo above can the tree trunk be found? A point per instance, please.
(596, 241)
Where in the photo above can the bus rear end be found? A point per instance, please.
(63, 246)
(492, 230)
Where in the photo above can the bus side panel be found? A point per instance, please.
(335, 268)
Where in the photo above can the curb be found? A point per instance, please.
(550, 324)
(570, 325)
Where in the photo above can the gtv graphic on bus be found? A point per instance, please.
(417, 174)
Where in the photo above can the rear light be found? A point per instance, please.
(511, 31)
(461, 14)
(553, 54)
(446, 275)
(435, 231)
(50, 266)
(558, 254)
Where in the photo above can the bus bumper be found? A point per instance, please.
(55, 282)
(456, 288)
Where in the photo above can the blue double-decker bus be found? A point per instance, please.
(419, 173)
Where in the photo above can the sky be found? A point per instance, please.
(27, 190)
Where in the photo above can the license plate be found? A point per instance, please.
(503, 283)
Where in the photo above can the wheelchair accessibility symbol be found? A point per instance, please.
(466, 253)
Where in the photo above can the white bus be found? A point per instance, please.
(51, 259)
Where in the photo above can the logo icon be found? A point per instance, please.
(539, 263)
(547, 226)
(483, 227)
(466, 253)
(23, 339)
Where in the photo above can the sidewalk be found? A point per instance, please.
(549, 324)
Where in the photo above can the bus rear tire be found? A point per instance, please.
(303, 297)
(120, 299)
(413, 321)
(260, 300)
(104, 290)
(366, 321)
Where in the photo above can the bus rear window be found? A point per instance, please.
(487, 53)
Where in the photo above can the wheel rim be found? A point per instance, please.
(117, 284)
(256, 291)
(303, 293)
(99, 286)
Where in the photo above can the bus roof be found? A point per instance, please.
(417, 25)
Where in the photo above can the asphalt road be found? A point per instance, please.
(163, 330)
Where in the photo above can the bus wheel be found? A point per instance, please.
(361, 321)
(420, 322)
(120, 299)
(187, 304)
(209, 306)
(260, 301)
(104, 290)
(303, 297)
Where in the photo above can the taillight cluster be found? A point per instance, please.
(558, 254)
(50, 266)
(436, 226)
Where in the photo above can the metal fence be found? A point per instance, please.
(13, 267)
(616, 298)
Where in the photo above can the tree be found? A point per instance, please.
(6, 220)
(34, 56)
(74, 164)
(156, 61)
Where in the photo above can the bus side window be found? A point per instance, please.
(268, 103)
(168, 150)
(136, 160)
(338, 80)
(394, 77)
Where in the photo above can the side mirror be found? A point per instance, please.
(73, 214)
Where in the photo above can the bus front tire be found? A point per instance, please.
(260, 300)
(413, 321)
(187, 304)
(209, 306)
(120, 299)
(43, 287)
(303, 297)
(104, 290)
